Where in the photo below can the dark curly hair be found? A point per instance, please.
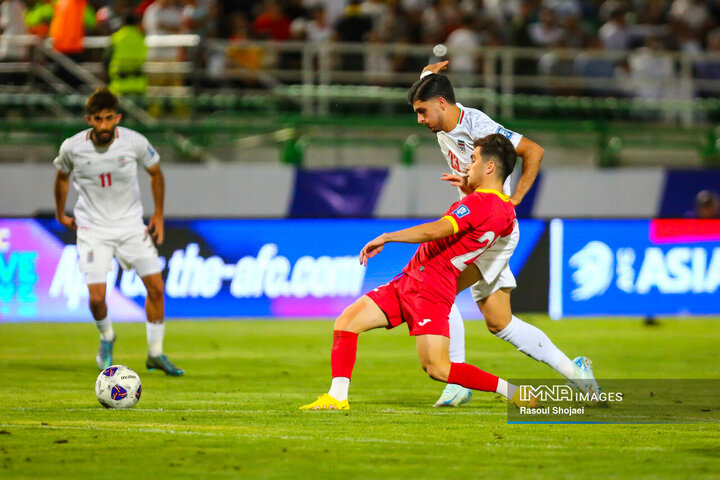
(501, 149)
(101, 99)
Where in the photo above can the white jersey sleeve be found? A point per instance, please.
(146, 153)
(481, 126)
(63, 161)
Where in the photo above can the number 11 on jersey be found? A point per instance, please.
(105, 180)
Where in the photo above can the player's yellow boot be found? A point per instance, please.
(326, 402)
(515, 400)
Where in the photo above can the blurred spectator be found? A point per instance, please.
(694, 13)
(653, 12)
(378, 67)
(111, 17)
(651, 71)
(67, 28)
(615, 34)
(127, 54)
(574, 33)
(707, 205)
(353, 26)
(38, 17)
(12, 22)
(295, 9)
(334, 9)
(557, 63)
(462, 44)
(546, 32)
(710, 69)
(164, 17)
(590, 65)
(272, 23)
(199, 16)
(318, 29)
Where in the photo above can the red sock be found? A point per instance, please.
(344, 351)
(470, 376)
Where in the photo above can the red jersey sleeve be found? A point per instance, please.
(467, 214)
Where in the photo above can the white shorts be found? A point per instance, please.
(132, 247)
(494, 265)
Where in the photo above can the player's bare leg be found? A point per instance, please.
(532, 341)
(434, 358)
(98, 308)
(361, 316)
(454, 395)
(155, 310)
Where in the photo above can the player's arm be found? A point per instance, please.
(434, 67)
(532, 155)
(62, 185)
(427, 232)
(459, 181)
(157, 183)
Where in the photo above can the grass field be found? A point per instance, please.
(234, 414)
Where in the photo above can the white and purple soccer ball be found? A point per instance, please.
(118, 387)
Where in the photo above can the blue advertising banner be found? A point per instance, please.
(216, 268)
(634, 267)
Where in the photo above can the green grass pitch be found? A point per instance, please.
(234, 414)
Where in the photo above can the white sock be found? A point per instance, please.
(339, 388)
(104, 326)
(457, 336)
(155, 334)
(535, 343)
(506, 389)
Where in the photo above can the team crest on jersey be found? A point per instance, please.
(461, 145)
(90, 256)
(504, 131)
(121, 161)
(461, 211)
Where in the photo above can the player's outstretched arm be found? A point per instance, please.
(427, 232)
(436, 67)
(532, 155)
(156, 225)
(62, 184)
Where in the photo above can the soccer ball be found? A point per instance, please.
(118, 387)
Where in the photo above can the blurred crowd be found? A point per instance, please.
(647, 27)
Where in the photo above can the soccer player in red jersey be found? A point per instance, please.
(423, 294)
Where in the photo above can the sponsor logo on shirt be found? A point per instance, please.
(504, 131)
(461, 211)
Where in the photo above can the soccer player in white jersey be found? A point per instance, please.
(433, 99)
(103, 162)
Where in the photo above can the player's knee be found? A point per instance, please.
(496, 324)
(155, 291)
(436, 370)
(97, 302)
(347, 316)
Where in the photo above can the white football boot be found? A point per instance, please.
(454, 395)
(584, 379)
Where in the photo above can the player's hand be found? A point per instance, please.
(156, 227)
(372, 248)
(459, 181)
(436, 67)
(515, 200)
(67, 222)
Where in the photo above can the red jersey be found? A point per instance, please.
(478, 220)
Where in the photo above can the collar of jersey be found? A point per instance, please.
(502, 196)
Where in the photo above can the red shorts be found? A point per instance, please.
(404, 300)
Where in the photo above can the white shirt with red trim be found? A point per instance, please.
(457, 145)
(106, 177)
